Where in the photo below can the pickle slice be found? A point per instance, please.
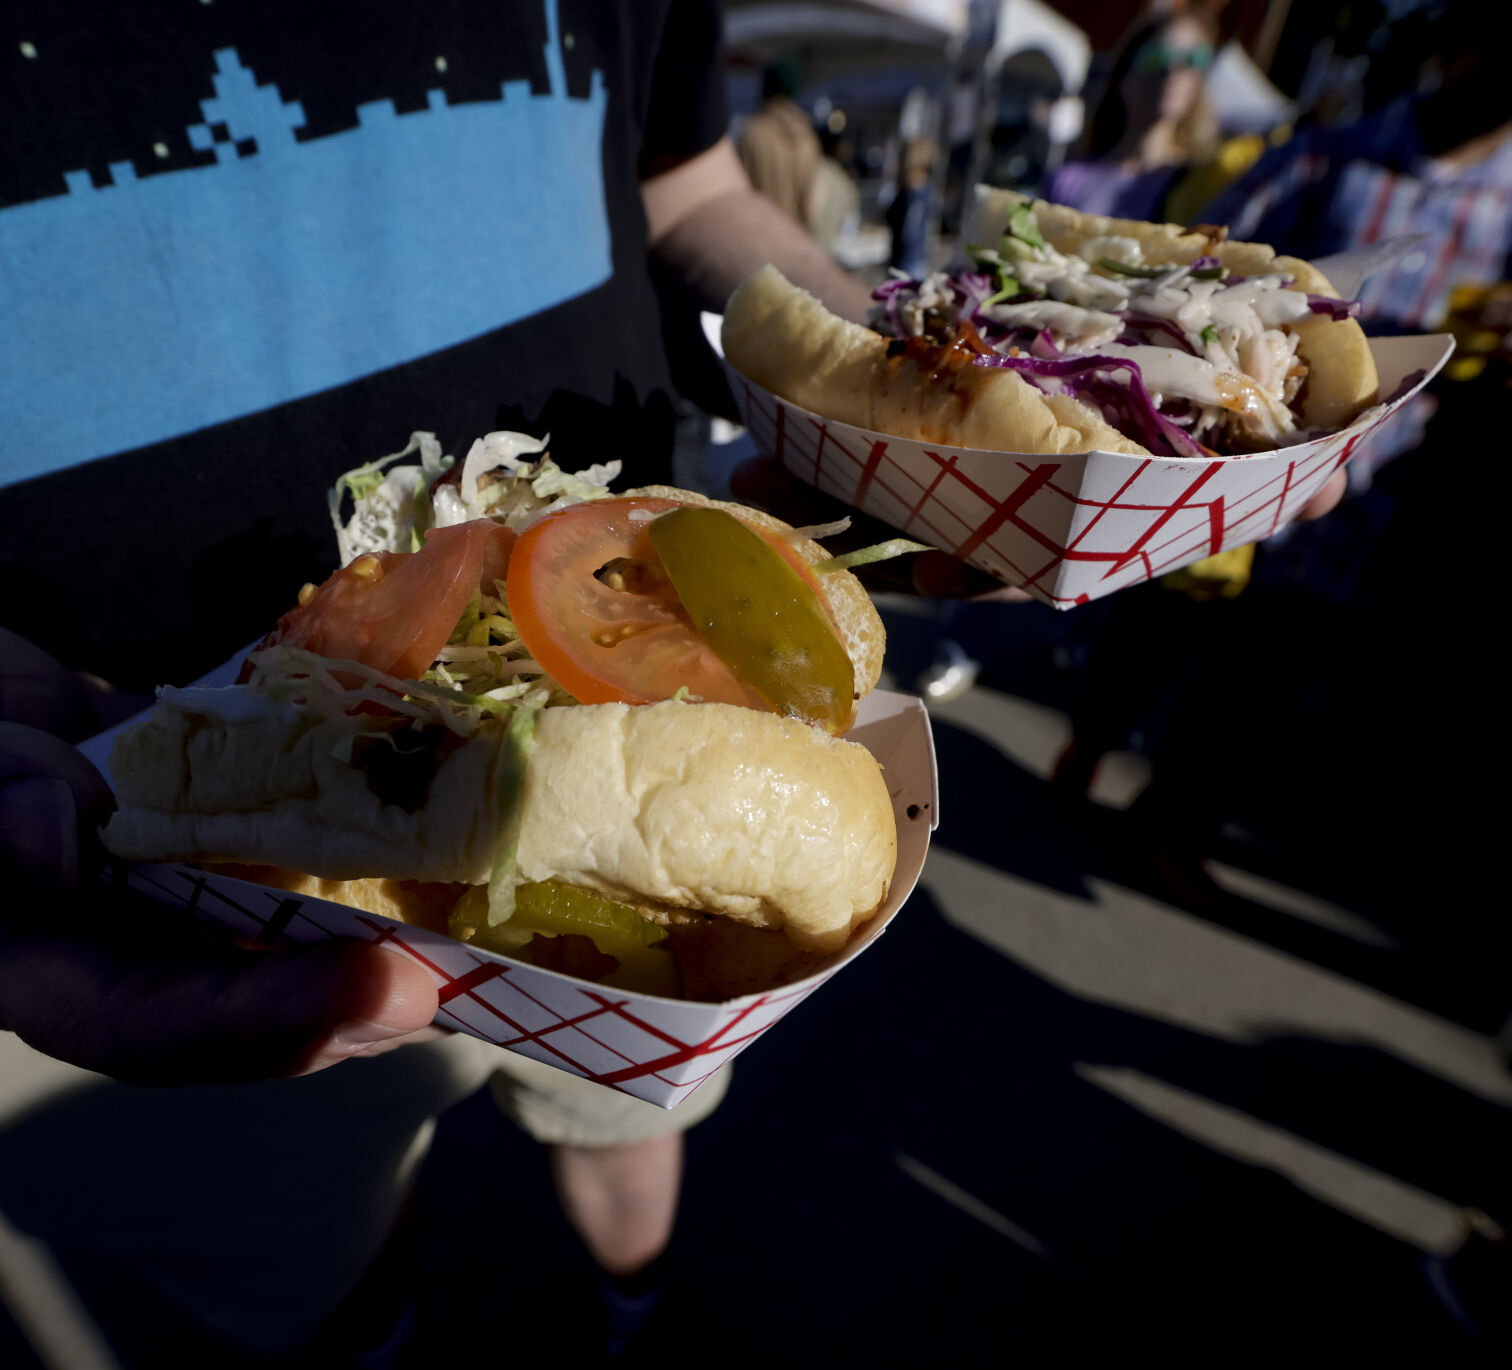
(760, 616)
(547, 906)
(554, 910)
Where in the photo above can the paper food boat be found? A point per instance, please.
(656, 1049)
(1073, 528)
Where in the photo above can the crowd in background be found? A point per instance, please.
(1370, 123)
(1394, 125)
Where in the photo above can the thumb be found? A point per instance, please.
(300, 1010)
(172, 1009)
(392, 1001)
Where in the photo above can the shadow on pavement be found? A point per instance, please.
(802, 1236)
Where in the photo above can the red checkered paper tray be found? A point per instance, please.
(656, 1049)
(1073, 528)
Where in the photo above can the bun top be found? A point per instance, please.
(710, 807)
(706, 807)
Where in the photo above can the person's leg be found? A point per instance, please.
(616, 1161)
(621, 1199)
(617, 1165)
(1141, 649)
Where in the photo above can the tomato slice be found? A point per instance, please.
(625, 637)
(394, 611)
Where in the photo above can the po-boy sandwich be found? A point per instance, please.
(569, 725)
(1068, 332)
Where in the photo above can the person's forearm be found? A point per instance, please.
(725, 239)
(710, 225)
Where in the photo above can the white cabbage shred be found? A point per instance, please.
(508, 477)
(1241, 371)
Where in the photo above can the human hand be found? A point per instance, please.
(769, 485)
(41, 693)
(1326, 498)
(113, 982)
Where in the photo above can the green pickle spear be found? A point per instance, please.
(553, 909)
(757, 613)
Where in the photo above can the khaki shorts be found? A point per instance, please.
(555, 1107)
(262, 1250)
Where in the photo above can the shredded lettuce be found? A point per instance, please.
(495, 450)
(1022, 225)
(815, 531)
(590, 484)
(513, 759)
(391, 512)
(363, 482)
(508, 477)
(499, 483)
(865, 556)
(292, 673)
(1144, 273)
(518, 493)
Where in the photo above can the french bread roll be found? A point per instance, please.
(789, 343)
(667, 807)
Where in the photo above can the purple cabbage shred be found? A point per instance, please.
(1337, 310)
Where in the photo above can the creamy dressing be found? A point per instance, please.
(1244, 351)
(1242, 370)
(1074, 328)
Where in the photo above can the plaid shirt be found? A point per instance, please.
(1328, 190)
(1465, 217)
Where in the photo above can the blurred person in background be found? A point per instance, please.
(834, 199)
(1410, 137)
(778, 146)
(1422, 144)
(1415, 143)
(1151, 126)
(1152, 122)
(1430, 154)
(910, 212)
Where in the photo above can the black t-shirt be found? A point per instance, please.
(247, 245)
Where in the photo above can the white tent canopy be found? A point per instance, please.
(1243, 99)
(929, 24)
(1026, 24)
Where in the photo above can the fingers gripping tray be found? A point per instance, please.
(654, 1048)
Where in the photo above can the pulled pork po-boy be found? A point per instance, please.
(1066, 332)
(579, 728)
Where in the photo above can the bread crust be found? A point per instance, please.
(789, 343)
(785, 340)
(699, 806)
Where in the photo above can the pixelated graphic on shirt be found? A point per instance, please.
(154, 307)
